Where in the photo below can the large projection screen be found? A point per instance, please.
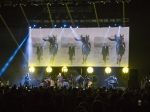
(52, 47)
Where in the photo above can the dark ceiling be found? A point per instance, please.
(82, 12)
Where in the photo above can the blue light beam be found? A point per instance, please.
(12, 57)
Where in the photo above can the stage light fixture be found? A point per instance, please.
(31, 69)
(64, 26)
(108, 70)
(125, 70)
(90, 70)
(64, 69)
(48, 69)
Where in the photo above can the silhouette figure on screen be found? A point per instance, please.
(86, 46)
(53, 47)
(105, 52)
(39, 52)
(120, 46)
(71, 52)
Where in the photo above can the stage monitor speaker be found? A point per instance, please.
(133, 79)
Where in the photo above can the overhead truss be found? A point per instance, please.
(55, 2)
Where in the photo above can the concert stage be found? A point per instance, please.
(97, 78)
(58, 42)
(76, 49)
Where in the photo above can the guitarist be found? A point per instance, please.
(27, 80)
(86, 81)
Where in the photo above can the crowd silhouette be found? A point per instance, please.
(51, 99)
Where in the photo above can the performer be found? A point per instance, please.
(106, 83)
(52, 83)
(59, 80)
(115, 82)
(39, 52)
(79, 81)
(70, 80)
(27, 80)
(86, 81)
(48, 81)
(71, 52)
(105, 52)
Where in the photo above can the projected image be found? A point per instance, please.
(68, 50)
(79, 47)
(53, 47)
(113, 47)
(86, 46)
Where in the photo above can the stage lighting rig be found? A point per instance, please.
(55, 2)
(113, 22)
(122, 1)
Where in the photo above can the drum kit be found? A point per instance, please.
(47, 82)
(111, 82)
(80, 81)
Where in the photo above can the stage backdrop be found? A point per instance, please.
(87, 42)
